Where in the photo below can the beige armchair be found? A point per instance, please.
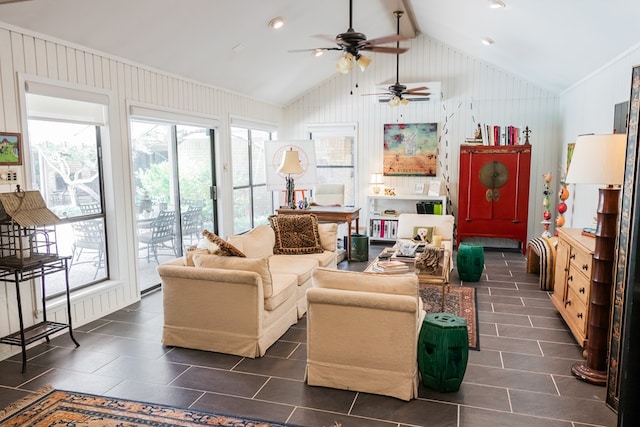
(362, 332)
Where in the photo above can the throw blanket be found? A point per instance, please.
(541, 257)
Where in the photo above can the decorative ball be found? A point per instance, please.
(564, 193)
(560, 221)
(562, 207)
(547, 215)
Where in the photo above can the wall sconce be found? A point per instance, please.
(600, 159)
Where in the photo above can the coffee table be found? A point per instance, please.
(423, 276)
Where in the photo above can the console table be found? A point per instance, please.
(38, 266)
(330, 214)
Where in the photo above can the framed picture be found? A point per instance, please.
(419, 188)
(410, 149)
(10, 149)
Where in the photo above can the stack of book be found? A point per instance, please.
(390, 266)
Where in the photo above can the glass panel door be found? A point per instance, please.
(173, 176)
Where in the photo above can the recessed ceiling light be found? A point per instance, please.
(496, 4)
(277, 23)
(487, 41)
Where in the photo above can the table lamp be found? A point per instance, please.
(376, 180)
(600, 159)
(290, 165)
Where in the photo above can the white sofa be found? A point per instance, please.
(362, 332)
(239, 305)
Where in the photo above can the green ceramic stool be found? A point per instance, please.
(470, 262)
(443, 351)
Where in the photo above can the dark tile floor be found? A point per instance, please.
(521, 375)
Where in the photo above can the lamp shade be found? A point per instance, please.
(598, 159)
(376, 178)
(290, 163)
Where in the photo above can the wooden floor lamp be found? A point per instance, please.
(600, 159)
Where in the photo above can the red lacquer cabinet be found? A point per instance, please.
(493, 198)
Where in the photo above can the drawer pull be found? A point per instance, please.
(572, 256)
(567, 303)
(570, 278)
(579, 315)
(585, 267)
(581, 290)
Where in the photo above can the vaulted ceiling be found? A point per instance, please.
(228, 44)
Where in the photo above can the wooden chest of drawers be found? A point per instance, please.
(572, 280)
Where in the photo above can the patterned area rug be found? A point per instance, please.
(66, 409)
(459, 300)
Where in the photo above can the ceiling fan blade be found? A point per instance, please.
(418, 94)
(383, 49)
(313, 49)
(326, 37)
(376, 94)
(386, 39)
(416, 89)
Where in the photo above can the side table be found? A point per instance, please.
(37, 267)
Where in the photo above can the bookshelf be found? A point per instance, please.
(384, 227)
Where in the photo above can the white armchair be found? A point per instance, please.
(362, 332)
(442, 226)
(328, 194)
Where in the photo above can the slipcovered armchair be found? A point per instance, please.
(441, 225)
(328, 195)
(362, 332)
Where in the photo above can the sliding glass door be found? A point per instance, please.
(174, 186)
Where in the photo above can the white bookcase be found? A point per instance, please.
(384, 227)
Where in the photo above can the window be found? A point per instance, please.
(64, 143)
(335, 158)
(252, 202)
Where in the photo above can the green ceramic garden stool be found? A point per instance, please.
(359, 247)
(470, 262)
(443, 351)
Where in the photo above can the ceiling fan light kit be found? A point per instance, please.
(352, 43)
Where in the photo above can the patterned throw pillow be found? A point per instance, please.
(221, 246)
(422, 234)
(296, 234)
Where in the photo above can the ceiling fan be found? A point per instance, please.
(352, 43)
(397, 90)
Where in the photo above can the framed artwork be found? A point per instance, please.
(419, 188)
(10, 149)
(410, 149)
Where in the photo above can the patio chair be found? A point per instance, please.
(191, 223)
(88, 235)
(161, 234)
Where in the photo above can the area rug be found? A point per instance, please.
(459, 300)
(66, 409)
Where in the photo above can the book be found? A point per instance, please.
(390, 266)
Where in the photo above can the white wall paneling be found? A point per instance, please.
(472, 92)
(33, 56)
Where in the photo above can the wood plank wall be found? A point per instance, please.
(23, 53)
(472, 92)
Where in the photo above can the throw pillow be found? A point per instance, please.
(422, 234)
(189, 254)
(296, 234)
(257, 265)
(222, 247)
